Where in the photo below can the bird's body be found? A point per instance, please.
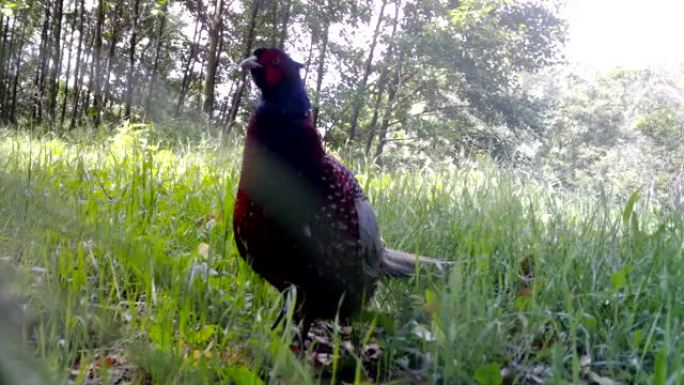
(300, 216)
(297, 223)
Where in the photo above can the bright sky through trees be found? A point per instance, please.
(632, 33)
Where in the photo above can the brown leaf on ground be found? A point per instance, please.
(117, 367)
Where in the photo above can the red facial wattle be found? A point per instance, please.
(273, 72)
(274, 75)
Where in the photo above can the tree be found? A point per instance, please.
(214, 26)
(78, 75)
(464, 73)
(41, 69)
(131, 58)
(97, 60)
(358, 99)
(242, 84)
(113, 39)
(62, 113)
(188, 64)
(56, 59)
(157, 53)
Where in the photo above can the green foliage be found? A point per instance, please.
(456, 68)
(243, 376)
(662, 124)
(620, 131)
(488, 374)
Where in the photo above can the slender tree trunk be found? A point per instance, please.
(361, 92)
(97, 58)
(53, 79)
(215, 27)
(309, 57)
(10, 66)
(382, 82)
(18, 56)
(275, 27)
(91, 74)
(187, 72)
(112, 51)
(376, 111)
(131, 59)
(223, 116)
(77, 69)
(321, 71)
(391, 99)
(62, 114)
(39, 82)
(284, 24)
(155, 65)
(200, 81)
(237, 97)
(15, 86)
(5, 55)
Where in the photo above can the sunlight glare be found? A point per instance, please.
(631, 33)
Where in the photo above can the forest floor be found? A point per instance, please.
(119, 255)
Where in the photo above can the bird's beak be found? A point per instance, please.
(250, 63)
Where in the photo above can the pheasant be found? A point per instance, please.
(300, 216)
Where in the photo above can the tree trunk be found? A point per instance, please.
(18, 55)
(275, 27)
(382, 83)
(91, 73)
(131, 59)
(215, 27)
(223, 116)
(391, 99)
(39, 81)
(12, 117)
(285, 23)
(112, 51)
(187, 72)
(309, 57)
(53, 79)
(321, 70)
(237, 97)
(200, 81)
(5, 56)
(376, 111)
(155, 65)
(62, 113)
(97, 58)
(10, 66)
(77, 69)
(361, 92)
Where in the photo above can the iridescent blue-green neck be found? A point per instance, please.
(289, 100)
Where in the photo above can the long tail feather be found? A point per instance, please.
(396, 263)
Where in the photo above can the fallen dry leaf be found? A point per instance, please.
(203, 250)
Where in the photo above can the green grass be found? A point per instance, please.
(122, 252)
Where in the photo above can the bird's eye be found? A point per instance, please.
(276, 60)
